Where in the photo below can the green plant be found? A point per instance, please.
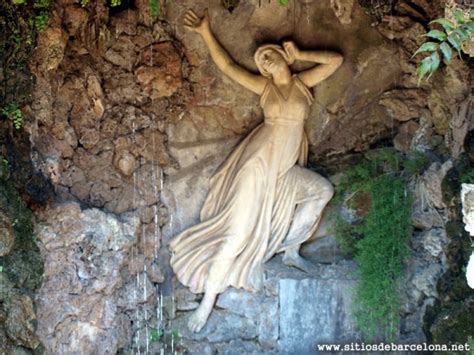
(452, 36)
(467, 176)
(379, 235)
(153, 7)
(416, 163)
(84, 3)
(155, 335)
(385, 229)
(115, 2)
(13, 112)
(41, 20)
(175, 334)
(470, 341)
(283, 2)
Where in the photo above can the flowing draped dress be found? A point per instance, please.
(251, 201)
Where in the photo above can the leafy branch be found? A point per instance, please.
(442, 43)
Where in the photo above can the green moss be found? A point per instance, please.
(453, 325)
(415, 163)
(23, 266)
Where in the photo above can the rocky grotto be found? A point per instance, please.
(117, 116)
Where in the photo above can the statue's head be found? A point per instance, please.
(270, 58)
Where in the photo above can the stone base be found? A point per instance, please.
(292, 314)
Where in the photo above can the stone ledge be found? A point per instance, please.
(294, 312)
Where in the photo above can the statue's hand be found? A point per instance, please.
(195, 23)
(291, 51)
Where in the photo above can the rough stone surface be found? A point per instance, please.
(403, 141)
(85, 254)
(7, 237)
(104, 121)
(20, 322)
(283, 317)
(305, 323)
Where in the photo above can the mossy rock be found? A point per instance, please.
(454, 325)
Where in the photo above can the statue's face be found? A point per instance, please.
(272, 61)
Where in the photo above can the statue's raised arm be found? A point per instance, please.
(328, 63)
(224, 62)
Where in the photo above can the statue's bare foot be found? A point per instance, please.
(295, 260)
(199, 318)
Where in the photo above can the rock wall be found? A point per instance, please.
(130, 118)
(293, 313)
(88, 298)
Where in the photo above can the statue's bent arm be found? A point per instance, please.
(255, 83)
(328, 64)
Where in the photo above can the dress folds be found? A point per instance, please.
(251, 201)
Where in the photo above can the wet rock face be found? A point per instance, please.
(102, 119)
(86, 255)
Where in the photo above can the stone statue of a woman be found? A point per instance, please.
(260, 201)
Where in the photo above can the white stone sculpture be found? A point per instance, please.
(260, 202)
(467, 198)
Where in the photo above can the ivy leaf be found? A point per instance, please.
(283, 2)
(436, 34)
(463, 34)
(435, 60)
(427, 47)
(447, 51)
(447, 25)
(459, 16)
(424, 68)
(454, 41)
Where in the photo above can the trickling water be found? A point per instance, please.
(171, 223)
(147, 340)
(161, 306)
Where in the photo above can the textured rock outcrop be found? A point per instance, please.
(86, 255)
(7, 236)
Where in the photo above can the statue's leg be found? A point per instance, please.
(313, 194)
(199, 317)
(240, 220)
